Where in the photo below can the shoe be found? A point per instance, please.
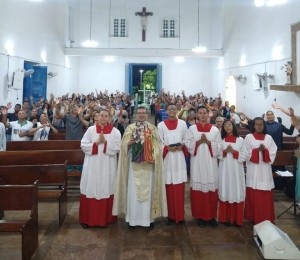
(169, 221)
(227, 224)
(213, 223)
(182, 222)
(151, 225)
(237, 225)
(201, 223)
(130, 227)
(85, 226)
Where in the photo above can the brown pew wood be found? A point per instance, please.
(21, 197)
(43, 145)
(35, 157)
(284, 158)
(52, 181)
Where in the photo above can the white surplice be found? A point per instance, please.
(259, 175)
(99, 170)
(204, 167)
(231, 173)
(174, 163)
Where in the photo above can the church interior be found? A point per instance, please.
(236, 49)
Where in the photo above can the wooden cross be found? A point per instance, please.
(144, 15)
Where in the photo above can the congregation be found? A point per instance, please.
(139, 169)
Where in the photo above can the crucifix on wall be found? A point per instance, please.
(144, 14)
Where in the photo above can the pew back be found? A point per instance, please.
(43, 145)
(35, 157)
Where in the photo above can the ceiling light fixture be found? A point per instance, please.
(260, 3)
(198, 48)
(90, 43)
(179, 59)
(109, 59)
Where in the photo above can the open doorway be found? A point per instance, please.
(144, 80)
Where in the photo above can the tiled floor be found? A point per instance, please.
(186, 241)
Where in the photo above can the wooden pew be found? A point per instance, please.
(284, 158)
(52, 181)
(43, 145)
(35, 157)
(59, 136)
(21, 197)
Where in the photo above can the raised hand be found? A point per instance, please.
(276, 106)
(9, 105)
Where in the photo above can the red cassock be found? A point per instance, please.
(92, 211)
(175, 192)
(204, 204)
(259, 204)
(95, 212)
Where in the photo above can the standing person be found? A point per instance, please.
(219, 123)
(172, 133)
(140, 188)
(19, 128)
(74, 121)
(42, 129)
(11, 117)
(100, 143)
(2, 137)
(231, 176)
(203, 141)
(261, 152)
(276, 130)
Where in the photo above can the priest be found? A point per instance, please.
(140, 188)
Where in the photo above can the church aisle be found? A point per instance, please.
(186, 241)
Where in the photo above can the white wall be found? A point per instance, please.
(254, 32)
(184, 11)
(33, 27)
(191, 75)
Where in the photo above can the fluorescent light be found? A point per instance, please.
(109, 59)
(243, 61)
(277, 52)
(44, 56)
(179, 59)
(275, 2)
(9, 47)
(221, 63)
(199, 49)
(90, 43)
(67, 62)
(260, 3)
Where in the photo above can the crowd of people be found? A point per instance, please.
(140, 169)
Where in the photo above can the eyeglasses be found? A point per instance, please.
(141, 113)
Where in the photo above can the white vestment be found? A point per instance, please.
(204, 167)
(231, 173)
(259, 175)
(174, 163)
(99, 170)
(139, 212)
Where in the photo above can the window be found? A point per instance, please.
(169, 28)
(119, 27)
